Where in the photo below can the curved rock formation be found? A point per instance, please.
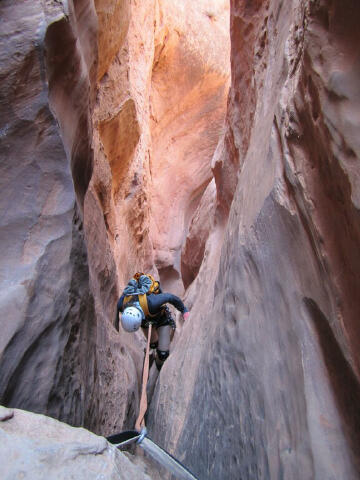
(124, 163)
(272, 341)
(46, 306)
(188, 96)
(80, 107)
(202, 223)
(59, 353)
(130, 203)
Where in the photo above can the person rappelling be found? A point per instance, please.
(143, 303)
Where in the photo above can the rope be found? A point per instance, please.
(139, 435)
(140, 422)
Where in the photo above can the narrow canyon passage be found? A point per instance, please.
(213, 144)
(158, 115)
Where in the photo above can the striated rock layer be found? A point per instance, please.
(89, 113)
(47, 311)
(154, 136)
(266, 373)
(111, 114)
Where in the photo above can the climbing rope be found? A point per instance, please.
(139, 435)
(140, 422)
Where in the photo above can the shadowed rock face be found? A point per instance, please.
(273, 384)
(81, 200)
(59, 353)
(47, 310)
(142, 197)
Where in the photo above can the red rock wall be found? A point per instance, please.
(118, 168)
(266, 372)
(147, 146)
(47, 310)
(82, 107)
(59, 352)
(189, 86)
(116, 212)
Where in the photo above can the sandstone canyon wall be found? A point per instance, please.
(116, 158)
(86, 90)
(189, 86)
(59, 353)
(159, 110)
(48, 61)
(273, 387)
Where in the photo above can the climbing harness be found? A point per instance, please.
(144, 305)
(139, 435)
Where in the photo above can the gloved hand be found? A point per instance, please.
(186, 316)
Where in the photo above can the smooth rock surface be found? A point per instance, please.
(47, 310)
(59, 352)
(264, 382)
(189, 87)
(37, 447)
(202, 222)
(130, 196)
(261, 227)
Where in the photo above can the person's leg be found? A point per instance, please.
(153, 343)
(163, 346)
(153, 338)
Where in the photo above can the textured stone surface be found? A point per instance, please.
(37, 447)
(201, 224)
(114, 18)
(121, 148)
(262, 227)
(273, 340)
(47, 314)
(128, 201)
(156, 121)
(189, 88)
(116, 214)
(59, 353)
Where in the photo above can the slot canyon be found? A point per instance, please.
(215, 145)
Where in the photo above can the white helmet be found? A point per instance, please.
(131, 319)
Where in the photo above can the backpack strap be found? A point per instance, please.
(144, 305)
(127, 300)
(142, 300)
